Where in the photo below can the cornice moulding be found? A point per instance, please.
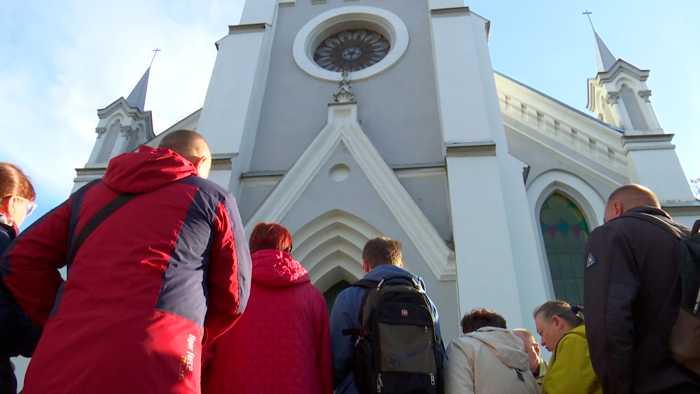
(619, 67)
(450, 10)
(647, 142)
(236, 29)
(476, 148)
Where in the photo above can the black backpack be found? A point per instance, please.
(396, 349)
(684, 342)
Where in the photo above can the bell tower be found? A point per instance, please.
(123, 125)
(619, 96)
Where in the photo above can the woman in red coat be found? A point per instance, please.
(281, 344)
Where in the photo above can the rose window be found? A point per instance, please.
(351, 50)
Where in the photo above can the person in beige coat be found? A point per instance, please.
(488, 358)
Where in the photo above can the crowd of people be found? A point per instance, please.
(160, 275)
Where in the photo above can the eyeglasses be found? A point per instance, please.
(30, 205)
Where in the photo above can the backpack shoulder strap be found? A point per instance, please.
(418, 284)
(657, 221)
(365, 283)
(96, 220)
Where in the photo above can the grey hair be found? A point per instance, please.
(572, 314)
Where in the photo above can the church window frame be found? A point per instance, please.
(109, 139)
(633, 105)
(587, 198)
(335, 21)
(564, 251)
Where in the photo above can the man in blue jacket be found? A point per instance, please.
(381, 257)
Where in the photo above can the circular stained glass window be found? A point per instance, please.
(351, 50)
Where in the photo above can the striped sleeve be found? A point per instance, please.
(229, 271)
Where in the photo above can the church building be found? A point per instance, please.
(344, 120)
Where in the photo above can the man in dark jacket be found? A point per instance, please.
(632, 296)
(164, 273)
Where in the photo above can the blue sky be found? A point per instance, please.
(61, 61)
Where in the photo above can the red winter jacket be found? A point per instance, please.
(282, 342)
(167, 270)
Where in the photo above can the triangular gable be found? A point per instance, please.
(343, 127)
(121, 103)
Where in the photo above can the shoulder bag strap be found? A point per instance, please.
(96, 220)
(657, 221)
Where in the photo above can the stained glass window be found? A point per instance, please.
(565, 233)
(351, 50)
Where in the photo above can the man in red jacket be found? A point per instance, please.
(165, 272)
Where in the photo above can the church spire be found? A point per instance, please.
(137, 98)
(605, 57)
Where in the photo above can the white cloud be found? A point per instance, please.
(74, 57)
(61, 61)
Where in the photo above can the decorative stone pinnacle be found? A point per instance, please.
(612, 98)
(127, 131)
(645, 94)
(344, 95)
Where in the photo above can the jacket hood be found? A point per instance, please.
(379, 272)
(508, 348)
(146, 170)
(580, 331)
(275, 268)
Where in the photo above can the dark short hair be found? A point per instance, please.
(13, 182)
(382, 251)
(482, 317)
(270, 236)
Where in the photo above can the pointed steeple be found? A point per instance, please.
(137, 98)
(605, 57)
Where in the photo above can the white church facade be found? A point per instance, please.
(491, 186)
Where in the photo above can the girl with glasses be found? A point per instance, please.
(18, 336)
(17, 196)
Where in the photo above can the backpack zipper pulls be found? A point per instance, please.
(432, 379)
(425, 329)
(380, 384)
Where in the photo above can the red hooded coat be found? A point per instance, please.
(281, 344)
(167, 271)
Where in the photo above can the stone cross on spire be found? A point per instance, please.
(605, 58)
(344, 95)
(588, 14)
(155, 52)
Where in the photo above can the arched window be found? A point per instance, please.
(333, 292)
(110, 138)
(565, 232)
(634, 111)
